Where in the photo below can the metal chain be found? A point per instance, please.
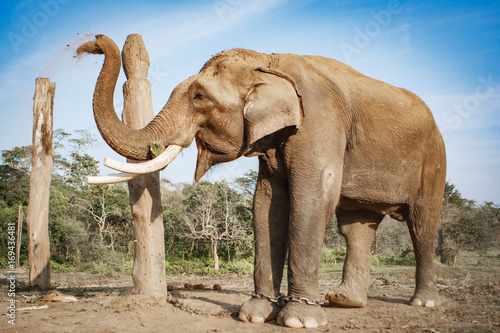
(281, 300)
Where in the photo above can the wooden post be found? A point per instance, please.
(20, 216)
(37, 219)
(145, 197)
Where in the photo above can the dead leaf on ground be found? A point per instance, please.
(58, 298)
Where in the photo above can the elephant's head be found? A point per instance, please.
(236, 100)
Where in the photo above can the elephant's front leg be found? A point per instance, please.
(271, 214)
(312, 201)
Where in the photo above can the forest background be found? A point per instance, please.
(208, 226)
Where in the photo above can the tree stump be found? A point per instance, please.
(37, 219)
(145, 197)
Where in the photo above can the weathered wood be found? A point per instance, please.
(145, 197)
(37, 219)
(20, 216)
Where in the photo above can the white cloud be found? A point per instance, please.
(167, 31)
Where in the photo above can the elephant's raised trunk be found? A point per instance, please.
(128, 142)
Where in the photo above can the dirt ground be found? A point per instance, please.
(470, 295)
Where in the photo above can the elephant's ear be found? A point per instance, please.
(272, 104)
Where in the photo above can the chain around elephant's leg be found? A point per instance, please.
(271, 214)
(311, 207)
(258, 311)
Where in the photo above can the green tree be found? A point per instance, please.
(458, 228)
(489, 216)
(213, 213)
(18, 158)
(108, 215)
(466, 234)
(247, 184)
(173, 207)
(68, 234)
(71, 162)
(14, 186)
(8, 214)
(392, 238)
(333, 238)
(14, 189)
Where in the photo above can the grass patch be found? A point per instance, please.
(205, 266)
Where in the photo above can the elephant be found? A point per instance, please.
(328, 139)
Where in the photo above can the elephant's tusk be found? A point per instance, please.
(110, 179)
(155, 164)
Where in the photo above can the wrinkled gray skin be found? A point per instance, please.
(328, 138)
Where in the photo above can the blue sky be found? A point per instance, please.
(447, 52)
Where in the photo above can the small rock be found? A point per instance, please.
(217, 287)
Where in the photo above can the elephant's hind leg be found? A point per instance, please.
(358, 228)
(422, 221)
(422, 226)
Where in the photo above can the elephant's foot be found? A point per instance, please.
(258, 311)
(299, 315)
(347, 297)
(427, 298)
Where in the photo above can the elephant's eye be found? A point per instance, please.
(202, 102)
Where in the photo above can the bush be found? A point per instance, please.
(243, 266)
(205, 266)
(407, 259)
(333, 255)
(57, 267)
(175, 266)
(126, 266)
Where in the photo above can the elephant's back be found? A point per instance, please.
(330, 64)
